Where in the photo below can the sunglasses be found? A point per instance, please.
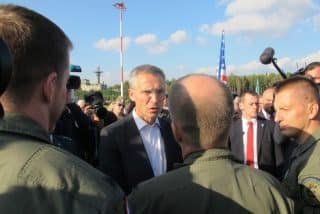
(120, 105)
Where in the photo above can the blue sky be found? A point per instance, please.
(183, 36)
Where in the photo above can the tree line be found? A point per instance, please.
(237, 84)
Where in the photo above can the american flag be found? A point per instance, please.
(221, 72)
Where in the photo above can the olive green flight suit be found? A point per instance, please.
(210, 182)
(36, 177)
(302, 179)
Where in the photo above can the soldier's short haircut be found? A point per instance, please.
(311, 66)
(244, 93)
(206, 125)
(38, 48)
(308, 87)
(146, 68)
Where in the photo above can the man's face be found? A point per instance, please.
(268, 100)
(291, 112)
(315, 75)
(148, 95)
(249, 106)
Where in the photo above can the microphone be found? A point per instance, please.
(267, 56)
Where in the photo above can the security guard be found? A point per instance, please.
(37, 177)
(209, 181)
(298, 114)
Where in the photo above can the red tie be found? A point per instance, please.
(250, 151)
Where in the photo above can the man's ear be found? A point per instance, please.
(49, 85)
(313, 110)
(130, 93)
(176, 132)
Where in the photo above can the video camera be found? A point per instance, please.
(95, 101)
(74, 82)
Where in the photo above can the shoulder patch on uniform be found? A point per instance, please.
(310, 191)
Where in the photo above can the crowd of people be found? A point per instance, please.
(197, 149)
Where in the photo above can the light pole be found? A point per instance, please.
(121, 7)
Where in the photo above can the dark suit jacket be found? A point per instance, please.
(270, 155)
(123, 156)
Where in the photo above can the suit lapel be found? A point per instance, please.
(166, 141)
(239, 148)
(136, 144)
(260, 131)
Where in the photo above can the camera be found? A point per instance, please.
(74, 82)
(95, 102)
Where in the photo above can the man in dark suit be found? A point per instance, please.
(141, 145)
(267, 110)
(252, 140)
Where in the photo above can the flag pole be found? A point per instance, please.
(222, 73)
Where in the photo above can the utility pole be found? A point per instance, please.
(121, 7)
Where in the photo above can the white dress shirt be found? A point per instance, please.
(266, 114)
(153, 143)
(255, 139)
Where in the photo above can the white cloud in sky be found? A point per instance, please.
(153, 46)
(271, 17)
(316, 22)
(206, 70)
(178, 37)
(146, 39)
(159, 48)
(112, 44)
(201, 40)
(285, 63)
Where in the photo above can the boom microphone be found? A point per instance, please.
(267, 56)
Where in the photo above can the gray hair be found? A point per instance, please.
(151, 69)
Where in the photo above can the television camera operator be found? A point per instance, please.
(74, 131)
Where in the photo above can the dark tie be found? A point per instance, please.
(271, 117)
(250, 149)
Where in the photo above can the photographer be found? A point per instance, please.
(74, 131)
(96, 111)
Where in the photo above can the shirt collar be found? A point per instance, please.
(20, 124)
(206, 155)
(245, 121)
(140, 122)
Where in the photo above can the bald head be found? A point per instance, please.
(201, 107)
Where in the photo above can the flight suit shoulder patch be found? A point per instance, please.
(310, 191)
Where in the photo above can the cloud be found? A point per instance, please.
(158, 48)
(285, 63)
(206, 70)
(112, 44)
(272, 17)
(153, 46)
(201, 40)
(146, 39)
(178, 37)
(181, 67)
(316, 22)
